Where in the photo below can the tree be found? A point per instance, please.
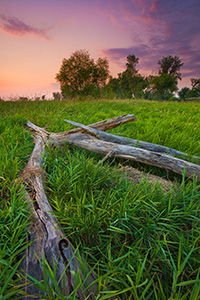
(114, 83)
(79, 74)
(195, 91)
(131, 82)
(132, 61)
(171, 65)
(183, 93)
(56, 96)
(163, 86)
(195, 83)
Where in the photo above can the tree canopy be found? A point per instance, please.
(129, 83)
(163, 86)
(79, 73)
(171, 65)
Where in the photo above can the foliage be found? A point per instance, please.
(195, 83)
(13, 223)
(142, 241)
(80, 74)
(163, 86)
(139, 234)
(171, 65)
(183, 93)
(81, 78)
(129, 83)
(187, 93)
(57, 96)
(195, 91)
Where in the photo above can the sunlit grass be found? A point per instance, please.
(143, 242)
(139, 235)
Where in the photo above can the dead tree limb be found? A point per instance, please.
(47, 239)
(60, 138)
(132, 153)
(132, 142)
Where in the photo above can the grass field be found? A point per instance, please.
(142, 240)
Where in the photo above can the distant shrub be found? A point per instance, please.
(172, 98)
(24, 99)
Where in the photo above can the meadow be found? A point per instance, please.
(141, 240)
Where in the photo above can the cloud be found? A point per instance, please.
(55, 85)
(16, 27)
(159, 28)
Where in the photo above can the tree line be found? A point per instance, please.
(80, 76)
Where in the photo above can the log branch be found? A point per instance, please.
(48, 241)
(132, 142)
(132, 153)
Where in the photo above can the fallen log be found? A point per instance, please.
(47, 241)
(60, 138)
(132, 142)
(132, 153)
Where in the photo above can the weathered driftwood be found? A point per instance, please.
(132, 153)
(132, 142)
(47, 240)
(61, 138)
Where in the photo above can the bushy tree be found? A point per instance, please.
(195, 83)
(114, 83)
(163, 86)
(170, 65)
(57, 96)
(184, 93)
(195, 91)
(129, 83)
(166, 82)
(80, 75)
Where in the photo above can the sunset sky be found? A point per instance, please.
(35, 35)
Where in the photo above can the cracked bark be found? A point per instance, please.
(47, 239)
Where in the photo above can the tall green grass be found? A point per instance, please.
(142, 241)
(142, 237)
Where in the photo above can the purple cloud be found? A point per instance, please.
(159, 28)
(16, 27)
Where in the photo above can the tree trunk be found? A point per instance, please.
(132, 142)
(47, 241)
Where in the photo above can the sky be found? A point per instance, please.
(35, 36)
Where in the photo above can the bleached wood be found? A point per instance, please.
(48, 241)
(132, 153)
(133, 142)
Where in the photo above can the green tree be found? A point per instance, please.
(195, 83)
(183, 93)
(80, 75)
(115, 85)
(170, 65)
(195, 91)
(163, 86)
(131, 82)
(166, 82)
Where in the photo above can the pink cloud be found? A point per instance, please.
(16, 27)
